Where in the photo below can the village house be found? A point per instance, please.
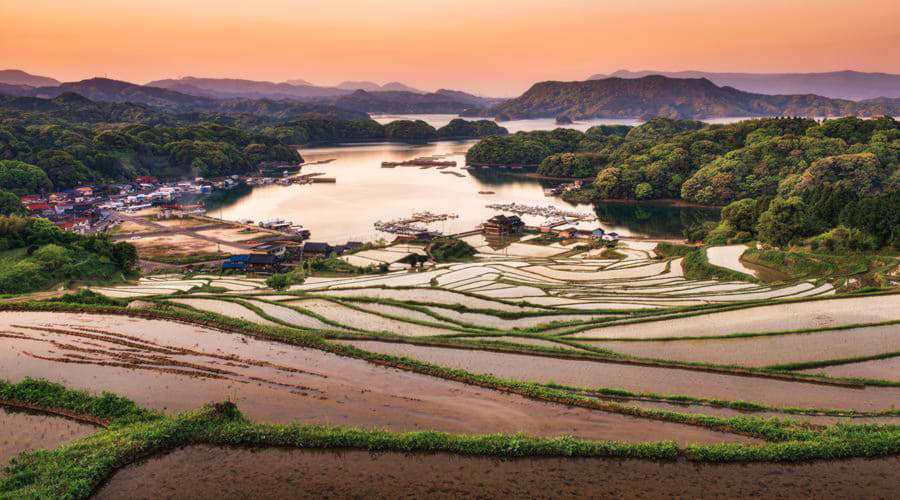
(146, 179)
(30, 199)
(314, 249)
(238, 262)
(262, 263)
(499, 225)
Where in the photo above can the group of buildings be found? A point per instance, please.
(85, 209)
(502, 225)
(279, 256)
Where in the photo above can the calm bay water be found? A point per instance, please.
(365, 193)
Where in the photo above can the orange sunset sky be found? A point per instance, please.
(493, 47)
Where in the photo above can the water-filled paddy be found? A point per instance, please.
(772, 318)
(645, 379)
(210, 472)
(225, 308)
(173, 367)
(26, 431)
(882, 369)
(365, 321)
(767, 350)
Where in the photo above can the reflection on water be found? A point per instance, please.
(365, 193)
(439, 120)
(657, 220)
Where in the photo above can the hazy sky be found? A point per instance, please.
(494, 47)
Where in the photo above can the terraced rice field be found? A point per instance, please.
(639, 353)
(230, 309)
(173, 367)
(26, 431)
(365, 321)
(769, 318)
(878, 369)
(205, 471)
(645, 379)
(768, 350)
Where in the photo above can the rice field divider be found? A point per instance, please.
(42, 396)
(417, 308)
(459, 292)
(542, 310)
(691, 311)
(54, 474)
(472, 326)
(609, 356)
(764, 429)
(414, 321)
(740, 335)
(806, 365)
(297, 309)
(735, 404)
(501, 346)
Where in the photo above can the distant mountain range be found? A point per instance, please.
(191, 94)
(228, 88)
(19, 77)
(374, 87)
(652, 96)
(291, 89)
(852, 85)
(93, 96)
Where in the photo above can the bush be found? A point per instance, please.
(450, 250)
(843, 240)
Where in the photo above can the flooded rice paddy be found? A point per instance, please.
(225, 308)
(173, 367)
(27, 431)
(771, 318)
(881, 369)
(645, 379)
(366, 321)
(211, 472)
(768, 350)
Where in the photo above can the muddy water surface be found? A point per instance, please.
(774, 318)
(26, 431)
(882, 369)
(768, 350)
(174, 367)
(644, 379)
(208, 472)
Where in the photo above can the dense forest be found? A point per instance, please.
(786, 177)
(68, 141)
(35, 255)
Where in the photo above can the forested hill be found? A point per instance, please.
(67, 141)
(853, 85)
(681, 98)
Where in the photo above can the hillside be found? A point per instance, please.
(225, 88)
(19, 77)
(651, 96)
(852, 85)
(102, 90)
(398, 102)
(374, 87)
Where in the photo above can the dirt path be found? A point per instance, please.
(188, 232)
